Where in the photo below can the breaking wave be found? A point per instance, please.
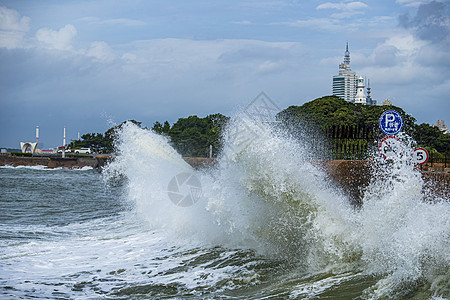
(265, 193)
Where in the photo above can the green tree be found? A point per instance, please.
(98, 141)
(332, 110)
(315, 116)
(428, 136)
(192, 136)
(95, 141)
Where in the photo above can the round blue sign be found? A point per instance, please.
(391, 122)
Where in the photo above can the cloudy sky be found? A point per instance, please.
(88, 65)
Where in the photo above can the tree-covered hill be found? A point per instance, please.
(327, 111)
(332, 110)
(192, 136)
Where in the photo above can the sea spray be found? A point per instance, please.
(265, 194)
(403, 237)
(280, 191)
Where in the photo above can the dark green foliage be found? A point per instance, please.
(332, 110)
(99, 142)
(431, 137)
(192, 136)
(321, 114)
(95, 141)
(21, 154)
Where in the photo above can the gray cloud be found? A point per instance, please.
(385, 56)
(431, 23)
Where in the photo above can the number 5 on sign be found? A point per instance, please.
(420, 156)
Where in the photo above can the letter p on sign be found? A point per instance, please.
(389, 118)
(391, 122)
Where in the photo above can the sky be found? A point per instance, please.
(88, 65)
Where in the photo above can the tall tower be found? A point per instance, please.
(360, 96)
(344, 84)
(37, 135)
(347, 56)
(369, 99)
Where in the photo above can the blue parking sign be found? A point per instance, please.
(391, 122)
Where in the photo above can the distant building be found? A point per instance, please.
(360, 96)
(344, 84)
(348, 86)
(387, 102)
(28, 147)
(442, 126)
(369, 99)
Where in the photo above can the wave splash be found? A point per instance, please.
(264, 193)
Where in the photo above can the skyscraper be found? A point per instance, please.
(345, 84)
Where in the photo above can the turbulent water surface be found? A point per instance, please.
(263, 223)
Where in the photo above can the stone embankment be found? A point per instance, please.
(55, 162)
(351, 176)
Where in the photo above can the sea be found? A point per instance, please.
(263, 222)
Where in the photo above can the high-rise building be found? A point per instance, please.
(350, 87)
(344, 84)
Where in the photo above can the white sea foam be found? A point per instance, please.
(265, 195)
(45, 168)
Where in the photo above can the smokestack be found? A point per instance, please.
(37, 134)
(63, 154)
(64, 138)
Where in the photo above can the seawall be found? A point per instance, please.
(351, 176)
(55, 162)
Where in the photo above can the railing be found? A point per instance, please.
(361, 142)
(349, 141)
(433, 159)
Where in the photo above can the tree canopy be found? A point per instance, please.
(98, 141)
(332, 110)
(192, 136)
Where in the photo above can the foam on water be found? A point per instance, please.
(42, 167)
(264, 194)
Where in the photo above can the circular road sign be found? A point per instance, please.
(391, 147)
(420, 156)
(391, 122)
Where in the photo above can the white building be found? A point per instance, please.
(360, 96)
(348, 86)
(344, 84)
(442, 126)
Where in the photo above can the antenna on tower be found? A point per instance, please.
(347, 56)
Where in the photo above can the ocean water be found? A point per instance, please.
(263, 223)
